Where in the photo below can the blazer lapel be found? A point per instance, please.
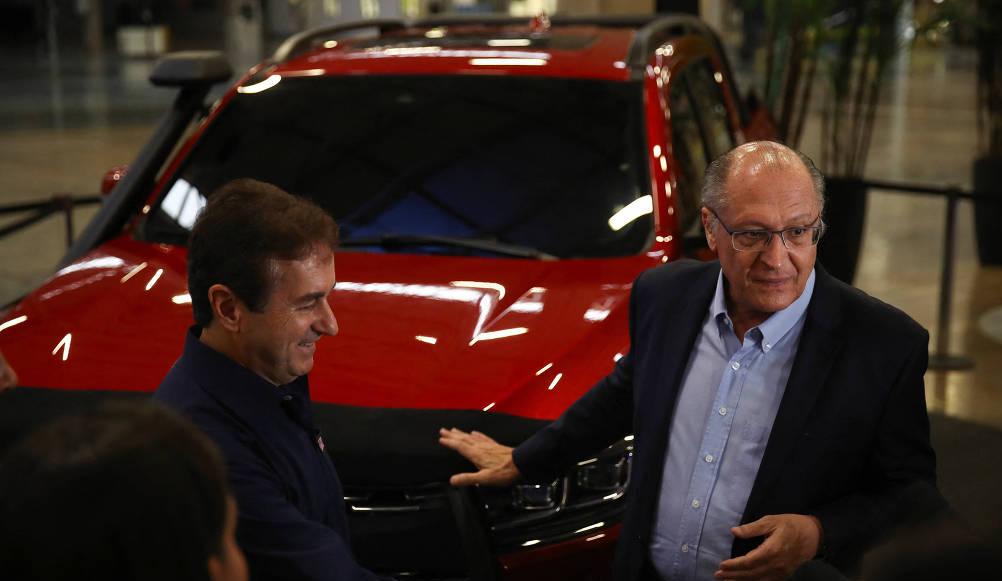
(820, 342)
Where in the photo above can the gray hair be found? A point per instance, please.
(770, 153)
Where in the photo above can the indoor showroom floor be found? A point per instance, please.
(59, 133)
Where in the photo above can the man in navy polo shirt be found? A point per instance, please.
(260, 269)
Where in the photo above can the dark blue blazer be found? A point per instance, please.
(850, 439)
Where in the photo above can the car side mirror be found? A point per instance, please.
(112, 177)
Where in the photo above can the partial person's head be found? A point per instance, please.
(759, 186)
(126, 491)
(260, 269)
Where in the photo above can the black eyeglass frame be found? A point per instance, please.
(819, 231)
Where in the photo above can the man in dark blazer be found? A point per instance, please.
(778, 413)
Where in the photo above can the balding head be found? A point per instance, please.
(751, 159)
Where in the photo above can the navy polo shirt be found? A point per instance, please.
(292, 523)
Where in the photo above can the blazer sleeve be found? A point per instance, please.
(596, 420)
(900, 474)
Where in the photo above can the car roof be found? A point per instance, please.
(607, 48)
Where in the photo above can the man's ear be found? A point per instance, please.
(227, 309)
(708, 219)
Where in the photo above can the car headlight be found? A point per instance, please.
(587, 498)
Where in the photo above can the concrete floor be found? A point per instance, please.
(59, 133)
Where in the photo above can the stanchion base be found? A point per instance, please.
(939, 362)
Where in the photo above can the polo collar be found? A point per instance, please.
(246, 393)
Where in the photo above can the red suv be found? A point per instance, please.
(499, 184)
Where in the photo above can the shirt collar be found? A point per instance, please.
(246, 393)
(778, 324)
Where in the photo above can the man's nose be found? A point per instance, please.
(775, 253)
(327, 325)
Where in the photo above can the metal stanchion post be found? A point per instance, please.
(66, 204)
(941, 359)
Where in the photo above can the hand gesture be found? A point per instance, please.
(493, 461)
(790, 541)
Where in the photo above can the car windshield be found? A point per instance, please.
(525, 167)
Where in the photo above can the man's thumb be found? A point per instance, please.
(464, 479)
(753, 529)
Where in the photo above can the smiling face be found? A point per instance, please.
(278, 342)
(772, 197)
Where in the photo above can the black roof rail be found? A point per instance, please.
(652, 31)
(659, 30)
(301, 42)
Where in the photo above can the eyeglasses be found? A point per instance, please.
(794, 238)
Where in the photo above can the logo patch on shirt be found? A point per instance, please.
(320, 443)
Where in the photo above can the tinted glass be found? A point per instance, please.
(543, 163)
(709, 102)
(689, 153)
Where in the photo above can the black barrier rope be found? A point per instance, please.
(941, 359)
(64, 203)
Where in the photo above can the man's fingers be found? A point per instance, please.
(756, 558)
(758, 528)
(465, 479)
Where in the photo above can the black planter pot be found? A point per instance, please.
(845, 215)
(987, 215)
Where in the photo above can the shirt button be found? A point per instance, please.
(695, 503)
(735, 366)
(768, 346)
(722, 411)
(708, 458)
(685, 548)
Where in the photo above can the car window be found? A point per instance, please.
(700, 130)
(708, 99)
(688, 152)
(545, 163)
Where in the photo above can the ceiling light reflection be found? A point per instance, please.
(490, 405)
(153, 279)
(635, 209)
(64, 344)
(501, 334)
(509, 42)
(183, 299)
(481, 285)
(426, 339)
(501, 62)
(261, 86)
(543, 370)
(102, 262)
(555, 381)
(133, 272)
(15, 321)
(597, 525)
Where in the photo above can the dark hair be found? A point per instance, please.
(245, 224)
(124, 491)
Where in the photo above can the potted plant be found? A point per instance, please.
(850, 43)
(864, 41)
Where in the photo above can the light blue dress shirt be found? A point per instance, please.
(723, 416)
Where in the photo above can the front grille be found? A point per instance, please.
(416, 533)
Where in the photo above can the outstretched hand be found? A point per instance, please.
(790, 541)
(495, 466)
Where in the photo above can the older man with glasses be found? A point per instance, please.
(779, 415)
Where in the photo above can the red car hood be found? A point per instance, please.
(525, 337)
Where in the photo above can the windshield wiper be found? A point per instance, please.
(404, 240)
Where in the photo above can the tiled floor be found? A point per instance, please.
(59, 134)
